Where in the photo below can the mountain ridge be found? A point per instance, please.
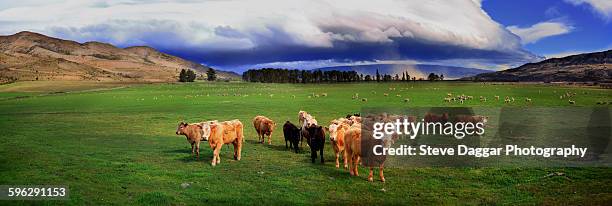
(585, 67)
(22, 56)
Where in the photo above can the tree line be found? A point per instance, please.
(277, 75)
(188, 75)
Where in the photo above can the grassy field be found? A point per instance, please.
(118, 146)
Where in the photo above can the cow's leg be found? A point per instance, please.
(217, 151)
(382, 176)
(197, 147)
(286, 146)
(214, 159)
(313, 155)
(370, 176)
(192, 149)
(344, 159)
(235, 143)
(337, 160)
(321, 153)
(239, 150)
(355, 164)
(263, 138)
(301, 140)
(270, 139)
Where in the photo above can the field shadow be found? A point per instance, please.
(184, 150)
(329, 169)
(190, 158)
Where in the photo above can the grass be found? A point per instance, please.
(118, 147)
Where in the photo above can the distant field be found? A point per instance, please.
(117, 146)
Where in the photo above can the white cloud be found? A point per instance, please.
(210, 27)
(539, 31)
(603, 7)
(306, 22)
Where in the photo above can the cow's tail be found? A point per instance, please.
(239, 130)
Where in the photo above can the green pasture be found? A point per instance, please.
(118, 146)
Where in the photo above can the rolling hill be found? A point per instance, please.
(588, 67)
(29, 56)
(416, 70)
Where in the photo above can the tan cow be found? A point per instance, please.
(193, 132)
(337, 130)
(302, 116)
(353, 139)
(219, 133)
(264, 126)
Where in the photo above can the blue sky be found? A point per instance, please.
(241, 34)
(591, 28)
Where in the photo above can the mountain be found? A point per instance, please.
(32, 56)
(414, 70)
(595, 66)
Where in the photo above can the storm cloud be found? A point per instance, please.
(235, 33)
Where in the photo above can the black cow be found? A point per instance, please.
(350, 115)
(315, 137)
(292, 134)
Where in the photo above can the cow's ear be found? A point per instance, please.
(327, 128)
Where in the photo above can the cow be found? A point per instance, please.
(336, 135)
(264, 127)
(315, 137)
(307, 122)
(219, 133)
(292, 134)
(430, 117)
(353, 141)
(302, 116)
(348, 116)
(193, 133)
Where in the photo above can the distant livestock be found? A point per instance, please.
(264, 127)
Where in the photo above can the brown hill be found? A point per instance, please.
(30, 56)
(588, 67)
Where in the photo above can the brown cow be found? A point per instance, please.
(193, 132)
(429, 117)
(353, 141)
(264, 126)
(219, 133)
(336, 134)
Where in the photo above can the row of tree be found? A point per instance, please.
(188, 75)
(274, 75)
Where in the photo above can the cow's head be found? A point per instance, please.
(180, 130)
(316, 131)
(333, 131)
(206, 128)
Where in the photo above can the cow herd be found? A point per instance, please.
(344, 134)
(347, 135)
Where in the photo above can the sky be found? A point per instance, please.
(242, 34)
